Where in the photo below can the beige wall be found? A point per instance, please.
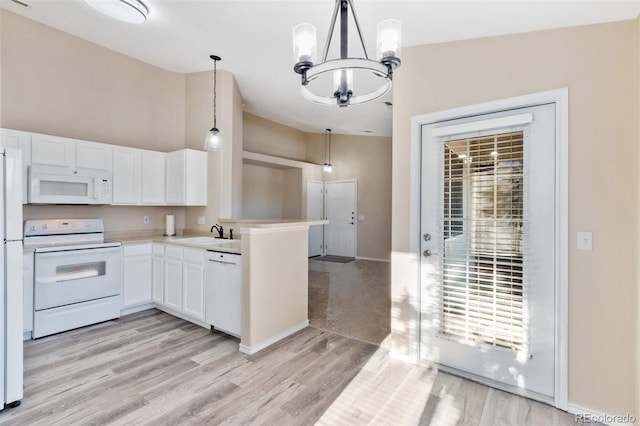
(58, 84)
(262, 192)
(267, 137)
(367, 159)
(599, 65)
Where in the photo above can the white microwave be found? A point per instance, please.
(63, 185)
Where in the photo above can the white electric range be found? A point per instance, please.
(77, 275)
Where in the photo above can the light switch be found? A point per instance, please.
(585, 241)
(360, 217)
(200, 220)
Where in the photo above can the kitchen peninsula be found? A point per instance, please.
(272, 256)
(274, 279)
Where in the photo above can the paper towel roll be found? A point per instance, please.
(171, 225)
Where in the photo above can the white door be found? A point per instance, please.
(488, 241)
(340, 207)
(315, 211)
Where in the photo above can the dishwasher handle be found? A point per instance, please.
(224, 262)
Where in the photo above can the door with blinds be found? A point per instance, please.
(488, 241)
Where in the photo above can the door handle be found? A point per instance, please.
(427, 253)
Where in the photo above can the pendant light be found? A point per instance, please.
(213, 140)
(327, 167)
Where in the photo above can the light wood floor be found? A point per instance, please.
(152, 368)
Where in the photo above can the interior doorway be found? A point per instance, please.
(340, 203)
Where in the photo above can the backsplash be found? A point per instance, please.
(116, 218)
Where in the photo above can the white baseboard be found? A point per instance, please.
(373, 258)
(250, 350)
(26, 335)
(137, 308)
(181, 316)
(590, 416)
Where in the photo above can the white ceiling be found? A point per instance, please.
(255, 42)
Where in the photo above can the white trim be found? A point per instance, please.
(250, 350)
(375, 259)
(476, 126)
(182, 316)
(137, 308)
(26, 335)
(561, 98)
(597, 416)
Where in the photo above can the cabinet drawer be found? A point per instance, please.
(173, 251)
(158, 249)
(193, 256)
(136, 249)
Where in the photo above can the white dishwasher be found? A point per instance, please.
(223, 292)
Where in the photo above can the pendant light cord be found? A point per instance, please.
(215, 83)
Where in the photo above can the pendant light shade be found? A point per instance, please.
(213, 139)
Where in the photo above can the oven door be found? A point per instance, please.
(71, 276)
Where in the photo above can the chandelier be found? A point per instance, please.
(342, 69)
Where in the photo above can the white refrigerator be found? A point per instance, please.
(11, 273)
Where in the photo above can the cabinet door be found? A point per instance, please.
(153, 177)
(53, 150)
(158, 279)
(27, 294)
(136, 268)
(176, 177)
(196, 178)
(22, 141)
(193, 291)
(93, 155)
(126, 176)
(173, 282)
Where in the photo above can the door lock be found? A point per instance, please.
(426, 237)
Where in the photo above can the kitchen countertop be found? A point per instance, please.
(224, 246)
(273, 223)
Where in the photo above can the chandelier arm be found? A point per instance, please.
(355, 19)
(331, 28)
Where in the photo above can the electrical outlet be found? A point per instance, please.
(200, 220)
(145, 219)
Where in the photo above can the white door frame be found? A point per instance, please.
(561, 98)
(322, 215)
(355, 221)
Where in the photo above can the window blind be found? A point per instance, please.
(483, 295)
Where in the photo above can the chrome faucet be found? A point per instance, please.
(219, 229)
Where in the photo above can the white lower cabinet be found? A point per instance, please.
(136, 271)
(173, 277)
(193, 283)
(157, 274)
(184, 281)
(27, 294)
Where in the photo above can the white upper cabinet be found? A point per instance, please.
(126, 175)
(52, 150)
(22, 141)
(93, 155)
(153, 177)
(187, 177)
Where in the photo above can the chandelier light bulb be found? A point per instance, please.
(304, 43)
(389, 32)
